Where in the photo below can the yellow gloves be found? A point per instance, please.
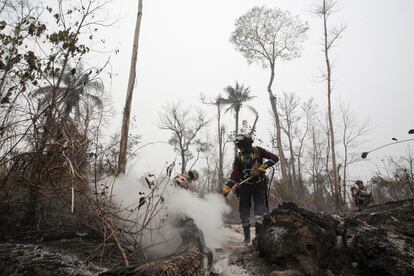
(262, 168)
(226, 190)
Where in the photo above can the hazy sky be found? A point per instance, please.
(185, 50)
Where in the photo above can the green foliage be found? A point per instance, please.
(262, 35)
(34, 43)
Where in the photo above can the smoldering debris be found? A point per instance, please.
(151, 211)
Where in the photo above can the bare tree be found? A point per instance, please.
(219, 102)
(185, 127)
(395, 180)
(288, 106)
(301, 133)
(131, 84)
(296, 120)
(265, 35)
(353, 132)
(325, 10)
(312, 155)
(208, 179)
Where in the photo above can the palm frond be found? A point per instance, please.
(237, 95)
(96, 85)
(252, 109)
(47, 90)
(96, 100)
(77, 84)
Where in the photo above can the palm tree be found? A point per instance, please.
(237, 95)
(77, 85)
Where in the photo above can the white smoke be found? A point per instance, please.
(207, 213)
(161, 236)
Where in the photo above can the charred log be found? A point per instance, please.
(376, 241)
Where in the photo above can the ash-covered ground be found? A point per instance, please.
(238, 258)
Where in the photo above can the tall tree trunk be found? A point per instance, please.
(327, 170)
(345, 173)
(272, 99)
(131, 83)
(300, 179)
(183, 161)
(314, 173)
(221, 151)
(333, 157)
(237, 128)
(292, 158)
(331, 129)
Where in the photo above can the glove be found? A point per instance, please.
(226, 190)
(262, 168)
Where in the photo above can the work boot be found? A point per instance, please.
(246, 232)
(258, 228)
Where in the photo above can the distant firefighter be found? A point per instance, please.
(360, 194)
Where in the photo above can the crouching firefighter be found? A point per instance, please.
(249, 169)
(362, 197)
(184, 180)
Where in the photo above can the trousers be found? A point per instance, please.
(257, 193)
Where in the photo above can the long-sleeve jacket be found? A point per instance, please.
(244, 163)
(361, 192)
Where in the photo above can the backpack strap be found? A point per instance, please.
(255, 155)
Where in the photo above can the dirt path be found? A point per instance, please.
(237, 258)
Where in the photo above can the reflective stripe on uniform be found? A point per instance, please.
(258, 219)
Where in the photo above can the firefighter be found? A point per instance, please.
(184, 180)
(361, 195)
(249, 164)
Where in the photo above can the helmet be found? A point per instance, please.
(359, 182)
(243, 141)
(193, 174)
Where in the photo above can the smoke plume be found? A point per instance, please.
(153, 207)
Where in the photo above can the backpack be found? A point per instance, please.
(255, 156)
(256, 160)
(248, 165)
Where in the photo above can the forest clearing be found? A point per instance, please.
(206, 138)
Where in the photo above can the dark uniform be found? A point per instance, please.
(250, 163)
(362, 197)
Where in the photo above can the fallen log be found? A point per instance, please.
(376, 241)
